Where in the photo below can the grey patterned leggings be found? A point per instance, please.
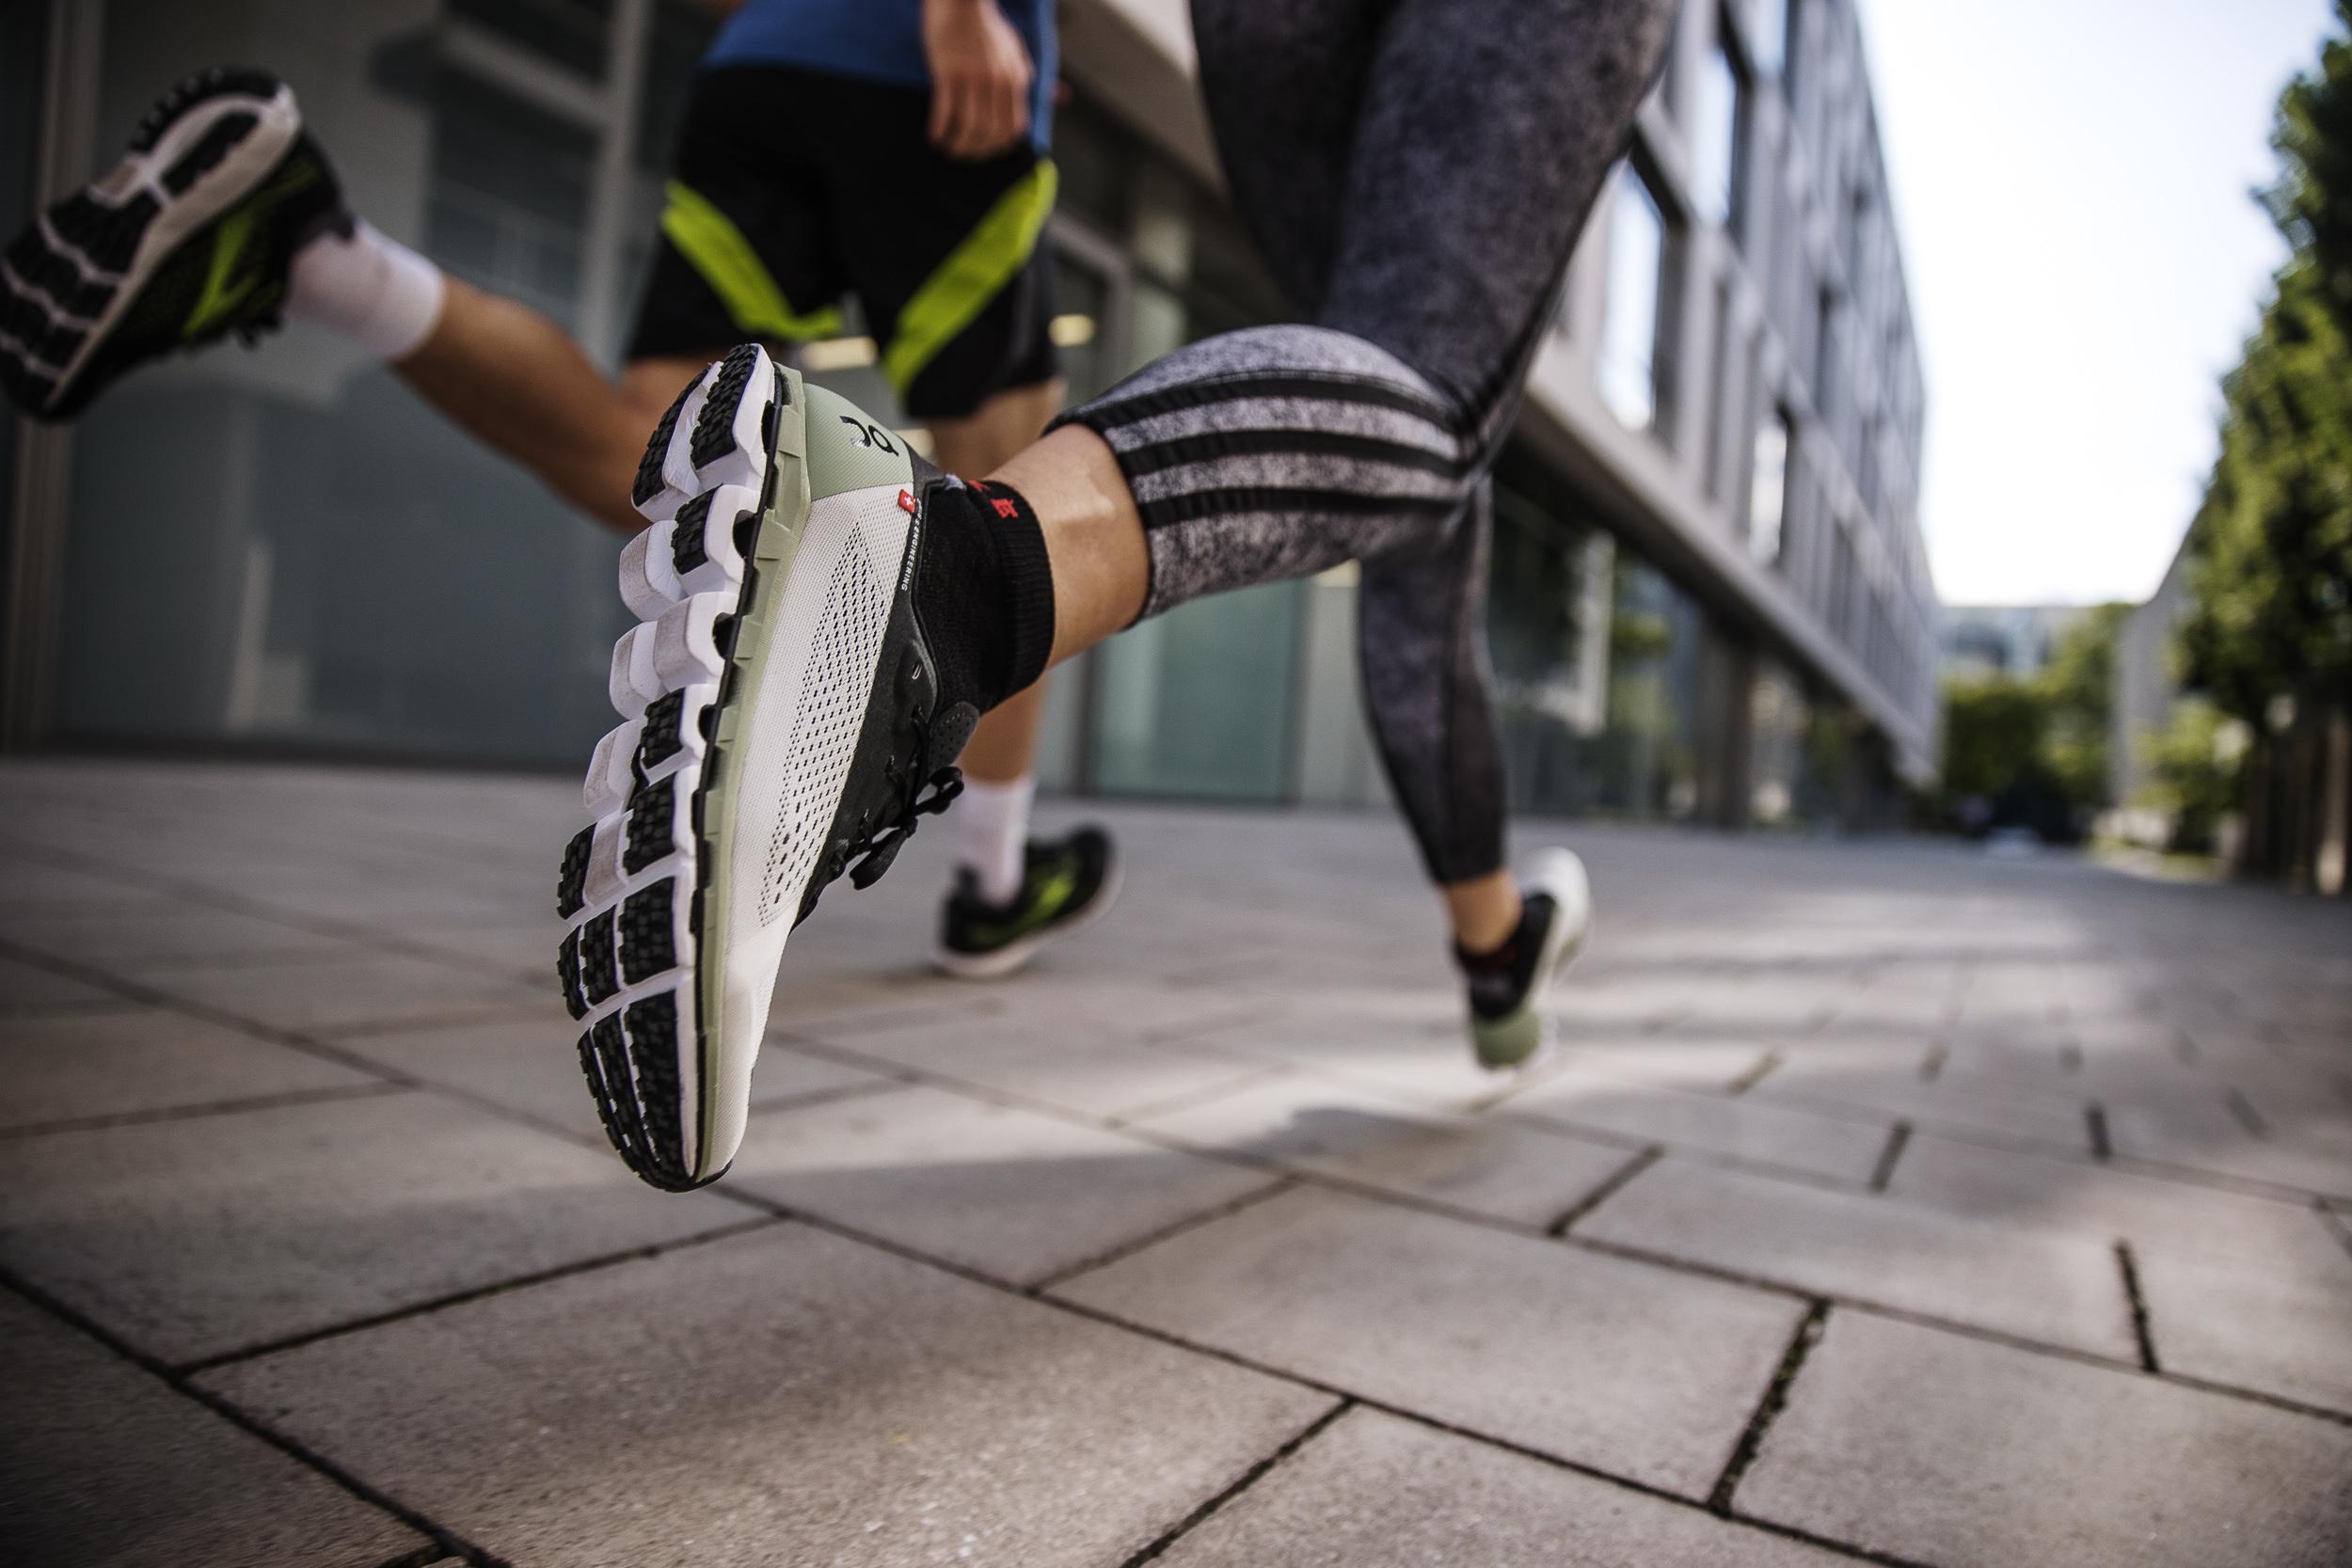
(1416, 172)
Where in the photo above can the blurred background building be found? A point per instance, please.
(1711, 597)
(2004, 639)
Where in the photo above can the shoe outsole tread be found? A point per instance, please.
(632, 884)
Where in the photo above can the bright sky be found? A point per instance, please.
(2071, 178)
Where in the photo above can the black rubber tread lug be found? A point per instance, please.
(598, 981)
(218, 82)
(714, 433)
(107, 236)
(567, 973)
(687, 549)
(648, 944)
(664, 732)
(209, 149)
(652, 1031)
(649, 480)
(571, 882)
(624, 1123)
(608, 1106)
(652, 832)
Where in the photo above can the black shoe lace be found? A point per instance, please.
(880, 845)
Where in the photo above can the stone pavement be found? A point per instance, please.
(1890, 1204)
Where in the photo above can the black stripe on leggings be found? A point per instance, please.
(1210, 445)
(1194, 506)
(1199, 394)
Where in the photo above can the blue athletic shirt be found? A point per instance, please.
(880, 40)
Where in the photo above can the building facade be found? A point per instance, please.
(1710, 599)
(2004, 639)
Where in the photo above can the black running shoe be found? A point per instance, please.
(1507, 1024)
(1066, 885)
(782, 727)
(189, 239)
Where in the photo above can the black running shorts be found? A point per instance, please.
(793, 188)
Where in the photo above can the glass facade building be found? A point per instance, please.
(1708, 603)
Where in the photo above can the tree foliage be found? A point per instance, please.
(2037, 745)
(2272, 542)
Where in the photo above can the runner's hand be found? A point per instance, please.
(981, 75)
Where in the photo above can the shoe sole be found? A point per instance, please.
(204, 146)
(725, 483)
(1504, 1045)
(1013, 958)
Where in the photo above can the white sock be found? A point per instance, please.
(991, 822)
(367, 287)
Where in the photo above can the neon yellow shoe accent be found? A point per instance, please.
(716, 249)
(971, 276)
(217, 300)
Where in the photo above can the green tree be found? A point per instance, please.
(1995, 727)
(2079, 686)
(2272, 542)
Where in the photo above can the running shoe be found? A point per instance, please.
(1066, 885)
(782, 727)
(1508, 1025)
(189, 239)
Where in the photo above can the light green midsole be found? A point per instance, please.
(782, 523)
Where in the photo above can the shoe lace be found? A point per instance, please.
(878, 844)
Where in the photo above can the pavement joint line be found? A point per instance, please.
(1931, 1065)
(1256, 1078)
(446, 1542)
(38, 1012)
(1248, 1477)
(1609, 1186)
(1128, 1248)
(2248, 1117)
(2095, 1128)
(1954, 1327)
(461, 1298)
(2142, 1331)
(2070, 1057)
(201, 1109)
(819, 1097)
(371, 938)
(1769, 1406)
(1772, 1063)
(140, 991)
(1884, 1172)
(2337, 1224)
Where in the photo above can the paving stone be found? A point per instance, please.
(36, 890)
(347, 996)
(2155, 1214)
(2055, 1290)
(1937, 1447)
(1637, 1371)
(1738, 1128)
(103, 1465)
(109, 1064)
(196, 1237)
(2213, 1142)
(1073, 1067)
(1012, 1193)
(1487, 1165)
(1845, 1087)
(785, 1396)
(2284, 1331)
(1372, 1491)
(1419, 1049)
(28, 990)
(129, 943)
(531, 1065)
(1708, 1064)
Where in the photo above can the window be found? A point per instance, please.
(1767, 491)
(1825, 353)
(1724, 397)
(1718, 138)
(1630, 358)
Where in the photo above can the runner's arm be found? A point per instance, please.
(980, 76)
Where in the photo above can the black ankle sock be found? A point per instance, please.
(985, 593)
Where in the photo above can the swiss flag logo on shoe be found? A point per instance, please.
(906, 502)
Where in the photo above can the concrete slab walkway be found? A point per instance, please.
(1889, 1203)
